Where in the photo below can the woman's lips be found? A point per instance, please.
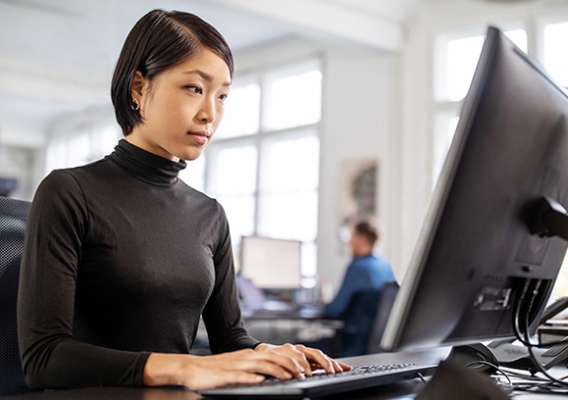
(200, 137)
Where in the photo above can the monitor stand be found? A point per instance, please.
(516, 356)
(452, 381)
(504, 353)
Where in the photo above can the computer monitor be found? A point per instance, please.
(271, 263)
(489, 251)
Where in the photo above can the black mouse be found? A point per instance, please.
(475, 356)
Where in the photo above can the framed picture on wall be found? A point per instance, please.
(358, 189)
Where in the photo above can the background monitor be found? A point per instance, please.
(272, 263)
(478, 271)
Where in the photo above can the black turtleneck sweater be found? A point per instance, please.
(121, 259)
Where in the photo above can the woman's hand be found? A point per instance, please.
(308, 358)
(238, 367)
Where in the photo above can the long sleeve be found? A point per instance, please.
(51, 357)
(352, 282)
(364, 273)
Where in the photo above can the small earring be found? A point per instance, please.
(135, 105)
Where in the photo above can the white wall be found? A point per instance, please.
(361, 117)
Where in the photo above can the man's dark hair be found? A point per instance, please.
(158, 41)
(368, 230)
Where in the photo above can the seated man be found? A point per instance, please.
(357, 300)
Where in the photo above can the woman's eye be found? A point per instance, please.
(195, 89)
(223, 97)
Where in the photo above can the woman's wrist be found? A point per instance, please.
(166, 369)
(263, 347)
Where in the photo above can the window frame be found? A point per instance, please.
(265, 135)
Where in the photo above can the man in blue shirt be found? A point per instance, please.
(357, 300)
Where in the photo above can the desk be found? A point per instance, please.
(302, 312)
(304, 325)
(405, 390)
(307, 324)
(386, 392)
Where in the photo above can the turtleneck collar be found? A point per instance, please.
(146, 166)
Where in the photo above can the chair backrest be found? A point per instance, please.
(366, 319)
(357, 323)
(13, 217)
(385, 303)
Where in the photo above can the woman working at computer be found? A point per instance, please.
(122, 258)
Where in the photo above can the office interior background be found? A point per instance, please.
(321, 87)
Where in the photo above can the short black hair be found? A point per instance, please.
(158, 41)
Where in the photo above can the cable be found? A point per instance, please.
(507, 386)
(523, 335)
(519, 333)
(421, 377)
(496, 367)
(532, 383)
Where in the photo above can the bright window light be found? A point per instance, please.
(555, 52)
(270, 118)
(292, 100)
(462, 57)
(194, 173)
(242, 112)
(291, 164)
(235, 170)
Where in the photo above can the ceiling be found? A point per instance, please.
(57, 56)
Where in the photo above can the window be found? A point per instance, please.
(462, 55)
(556, 63)
(288, 193)
(457, 59)
(232, 181)
(263, 165)
(555, 56)
(82, 146)
(292, 97)
(242, 109)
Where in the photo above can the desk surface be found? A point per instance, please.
(405, 390)
(300, 313)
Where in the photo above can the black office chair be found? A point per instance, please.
(357, 323)
(386, 301)
(13, 216)
(365, 320)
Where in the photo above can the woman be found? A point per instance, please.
(122, 258)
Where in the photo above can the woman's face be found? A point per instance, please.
(181, 107)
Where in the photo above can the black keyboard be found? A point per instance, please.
(321, 384)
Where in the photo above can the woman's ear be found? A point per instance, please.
(137, 85)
